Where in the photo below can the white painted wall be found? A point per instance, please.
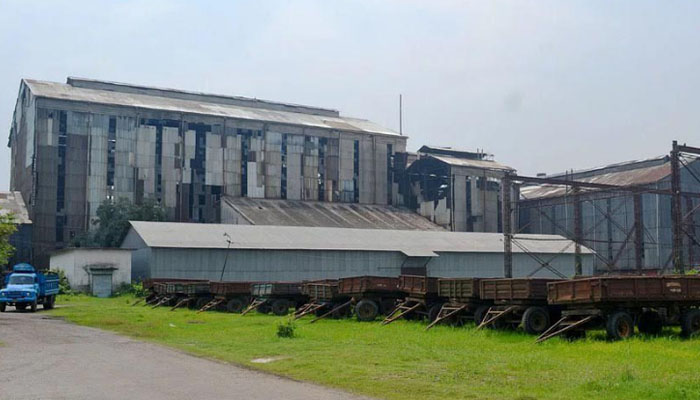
(75, 262)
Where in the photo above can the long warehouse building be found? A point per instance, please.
(291, 253)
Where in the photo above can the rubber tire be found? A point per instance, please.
(340, 314)
(20, 306)
(2, 307)
(366, 310)
(650, 323)
(46, 305)
(235, 305)
(387, 305)
(264, 309)
(52, 301)
(280, 307)
(480, 313)
(619, 326)
(433, 312)
(690, 322)
(33, 306)
(535, 320)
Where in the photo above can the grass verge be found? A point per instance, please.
(402, 361)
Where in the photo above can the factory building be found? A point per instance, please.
(290, 253)
(458, 190)
(21, 240)
(76, 144)
(607, 218)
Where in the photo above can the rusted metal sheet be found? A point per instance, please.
(418, 285)
(230, 288)
(363, 284)
(461, 290)
(624, 288)
(275, 289)
(150, 282)
(514, 289)
(187, 288)
(321, 291)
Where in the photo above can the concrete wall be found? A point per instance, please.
(300, 265)
(75, 263)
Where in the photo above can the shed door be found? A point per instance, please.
(102, 285)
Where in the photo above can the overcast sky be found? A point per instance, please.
(544, 85)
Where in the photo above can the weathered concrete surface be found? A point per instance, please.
(44, 358)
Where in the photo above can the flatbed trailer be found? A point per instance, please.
(618, 303)
(518, 301)
(275, 297)
(463, 302)
(421, 299)
(323, 297)
(192, 294)
(369, 296)
(158, 293)
(232, 296)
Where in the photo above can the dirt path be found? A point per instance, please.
(44, 358)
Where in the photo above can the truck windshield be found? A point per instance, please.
(21, 280)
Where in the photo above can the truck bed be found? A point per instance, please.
(634, 289)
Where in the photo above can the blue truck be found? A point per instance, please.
(27, 287)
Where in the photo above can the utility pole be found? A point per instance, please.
(676, 218)
(506, 223)
(228, 239)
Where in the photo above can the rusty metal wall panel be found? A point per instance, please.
(460, 289)
(514, 289)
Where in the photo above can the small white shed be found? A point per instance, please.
(95, 270)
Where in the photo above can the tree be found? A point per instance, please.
(112, 222)
(7, 228)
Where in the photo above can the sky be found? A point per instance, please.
(545, 86)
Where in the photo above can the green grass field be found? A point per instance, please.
(403, 361)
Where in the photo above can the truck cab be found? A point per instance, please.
(25, 287)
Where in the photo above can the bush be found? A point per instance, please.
(63, 284)
(286, 329)
(134, 288)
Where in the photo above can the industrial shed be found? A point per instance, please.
(255, 252)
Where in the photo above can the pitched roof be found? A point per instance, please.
(159, 99)
(411, 243)
(324, 214)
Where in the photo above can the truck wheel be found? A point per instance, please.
(366, 310)
(535, 320)
(650, 323)
(2, 307)
(234, 305)
(480, 313)
(48, 302)
(620, 325)
(280, 307)
(434, 311)
(33, 306)
(690, 322)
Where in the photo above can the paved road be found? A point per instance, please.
(45, 358)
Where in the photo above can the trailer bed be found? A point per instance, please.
(510, 289)
(264, 289)
(418, 285)
(368, 284)
(629, 289)
(230, 288)
(460, 290)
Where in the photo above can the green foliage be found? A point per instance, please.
(7, 228)
(63, 284)
(286, 329)
(112, 222)
(135, 289)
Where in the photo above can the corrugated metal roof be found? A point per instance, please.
(467, 162)
(63, 91)
(634, 177)
(12, 202)
(211, 236)
(316, 213)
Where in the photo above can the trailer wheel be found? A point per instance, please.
(280, 307)
(535, 320)
(234, 305)
(33, 306)
(2, 307)
(366, 310)
(201, 302)
(342, 313)
(620, 325)
(264, 309)
(434, 311)
(650, 323)
(690, 322)
(480, 313)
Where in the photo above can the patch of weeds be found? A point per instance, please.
(286, 329)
